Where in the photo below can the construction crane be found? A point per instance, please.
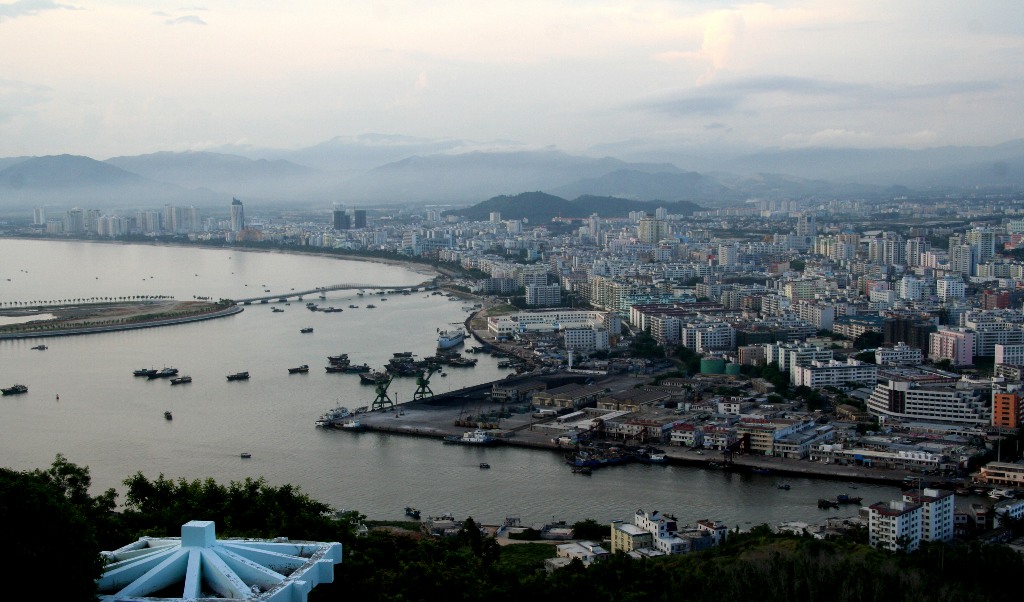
(382, 401)
(423, 383)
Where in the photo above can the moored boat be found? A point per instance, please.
(333, 416)
(352, 425)
(145, 372)
(14, 390)
(412, 513)
(450, 338)
(306, 330)
(180, 380)
(168, 415)
(844, 498)
(245, 455)
(299, 369)
(239, 376)
(477, 437)
(41, 347)
(372, 378)
(164, 373)
(484, 465)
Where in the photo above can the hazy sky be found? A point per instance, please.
(108, 77)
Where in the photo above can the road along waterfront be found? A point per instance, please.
(113, 422)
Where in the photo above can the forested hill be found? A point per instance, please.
(539, 207)
(397, 562)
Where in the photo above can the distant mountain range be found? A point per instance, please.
(376, 169)
(540, 207)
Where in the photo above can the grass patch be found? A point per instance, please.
(411, 525)
(525, 557)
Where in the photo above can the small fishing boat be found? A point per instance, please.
(168, 415)
(484, 465)
(304, 368)
(246, 455)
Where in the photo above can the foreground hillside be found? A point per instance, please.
(56, 511)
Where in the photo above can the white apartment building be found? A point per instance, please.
(950, 288)
(907, 400)
(900, 354)
(788, 355)
(819, 314)
(708, 335)
(834, 373)
(1010, 354)
(586, 339)
(895, 525)
(936, 513)
(543, 294)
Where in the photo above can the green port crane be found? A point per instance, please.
(383, 401)
(423, 383)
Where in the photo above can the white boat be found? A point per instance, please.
(352, 425)
(477, 437)
(333, 416)
(449, 338)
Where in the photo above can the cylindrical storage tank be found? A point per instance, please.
(712, 366)
(732, 369)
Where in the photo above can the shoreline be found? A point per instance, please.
(776, 467)
(420, 268)
(223, 313)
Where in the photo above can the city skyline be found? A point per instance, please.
(648, 78)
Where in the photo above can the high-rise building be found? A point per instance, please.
(1007, 405)
(237, 216)
(341, 220)
(651, 230)
(38, 216)
(360, 218)
(805, 225)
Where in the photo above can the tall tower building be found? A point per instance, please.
(360, 218)
(237, 216)
(806, 226)
(38, 216)
(341, 220)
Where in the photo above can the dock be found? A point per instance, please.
(466, 409)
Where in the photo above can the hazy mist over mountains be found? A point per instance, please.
(375, 169)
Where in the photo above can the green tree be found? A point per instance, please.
(44, 516)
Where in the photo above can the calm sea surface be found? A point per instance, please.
(113, 422)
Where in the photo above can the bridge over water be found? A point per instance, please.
(324, 289)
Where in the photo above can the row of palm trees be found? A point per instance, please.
(84, 300)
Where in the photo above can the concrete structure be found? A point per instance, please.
(900, 354)
(955, 345)
(584, 551)
(203, 567)
(543, 294)
(834, 373)
(936, 513)
(904, 399)
(1010, 354)
(237, 216)
(895, 525)
(1002, 473)
(1007, 406)
(627, 537)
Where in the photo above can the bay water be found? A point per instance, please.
(114, 423)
